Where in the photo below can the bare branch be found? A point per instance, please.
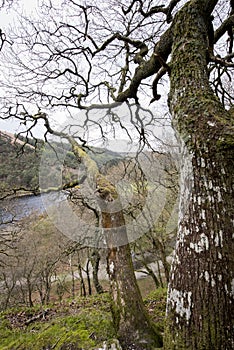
(159, 75)
(148, 68)
(225, 26)
(155, 9)
(222, 61)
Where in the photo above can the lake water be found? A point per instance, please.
(21, 207)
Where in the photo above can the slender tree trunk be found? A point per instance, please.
(160, 274)
(95, 260)
(9, 286)
(88, 277)
(40, 291)
(166, 267)
(48, 283)
(73, 277)
(129, 315)
(200, 297)
(29, 286)
(151, 273)
(82, 284)
(130, 318)
(159, 246)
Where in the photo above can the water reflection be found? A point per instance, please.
(15, 209)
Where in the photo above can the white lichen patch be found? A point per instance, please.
(223, 171)
(186, 231)
(180, 237)
(211, 199)
(203, 163)
(112, 267)
(210, 278)
(219, 196)
(203, 224)
(181, 302)
(219, 239)
(203, 214)
(213, 282)
(210, 186)
(210, 123)
(176, 260)
(207, 276)
(232, 285)
(201, 245)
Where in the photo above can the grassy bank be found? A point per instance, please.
(83, 323)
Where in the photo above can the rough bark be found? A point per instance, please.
(132, 324)
(200, 297)
(134, 328)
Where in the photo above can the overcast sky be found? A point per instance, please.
(8, 18)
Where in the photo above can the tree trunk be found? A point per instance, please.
(150, 272)
(48, 283)
(88, 277)
(200, 297)
(73, 277)
(82, 284)
(159, 246)
(160, 275)
(29, 287)
(95, 260)
(131, 321)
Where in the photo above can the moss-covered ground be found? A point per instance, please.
(83, 323)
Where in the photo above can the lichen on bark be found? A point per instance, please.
(132, 324)
(199, 305)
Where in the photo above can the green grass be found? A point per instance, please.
(155, 302)
(83, 323)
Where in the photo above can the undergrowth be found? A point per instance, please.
(80, 324)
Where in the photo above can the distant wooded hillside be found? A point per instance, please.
(20, 161)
